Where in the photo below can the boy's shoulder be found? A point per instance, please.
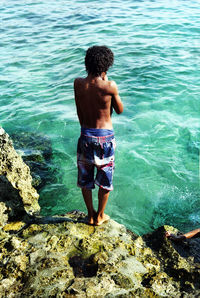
(112, 86)
(78, 80)
(106, 85)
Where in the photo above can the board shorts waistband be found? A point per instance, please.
(99, 135)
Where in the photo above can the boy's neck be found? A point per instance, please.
(101, 76)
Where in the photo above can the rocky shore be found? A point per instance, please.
(62, 256)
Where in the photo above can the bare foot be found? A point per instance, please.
(100, 220)
(175, 237)
(91, 218)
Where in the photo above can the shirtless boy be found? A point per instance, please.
(95, 98)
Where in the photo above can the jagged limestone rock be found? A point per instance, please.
(3, 214)
(16, 191)
(78, 260)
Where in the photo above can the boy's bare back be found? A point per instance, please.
(95, 96)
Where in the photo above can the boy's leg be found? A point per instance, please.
(87, 195)
(103, 195)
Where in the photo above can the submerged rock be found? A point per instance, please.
(36, 151)
(73, 259)
(16, 191)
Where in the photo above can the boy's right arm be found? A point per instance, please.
(116, 100)
(79, 113)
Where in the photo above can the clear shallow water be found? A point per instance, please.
(157, 56)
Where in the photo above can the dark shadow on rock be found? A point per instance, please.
(79, 217)
(170, 253)
(157, 241)
(83, 267)
(133, 235)
(12, 200)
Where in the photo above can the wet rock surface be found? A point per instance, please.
(65, 257)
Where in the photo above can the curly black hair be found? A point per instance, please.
(98, 59)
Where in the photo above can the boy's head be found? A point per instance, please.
(98, 59)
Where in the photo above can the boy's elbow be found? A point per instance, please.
(120, 109)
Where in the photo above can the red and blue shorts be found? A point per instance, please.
(95, 149)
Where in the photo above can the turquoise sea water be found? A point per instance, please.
(157, 56)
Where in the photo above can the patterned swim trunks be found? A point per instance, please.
(96, 149)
